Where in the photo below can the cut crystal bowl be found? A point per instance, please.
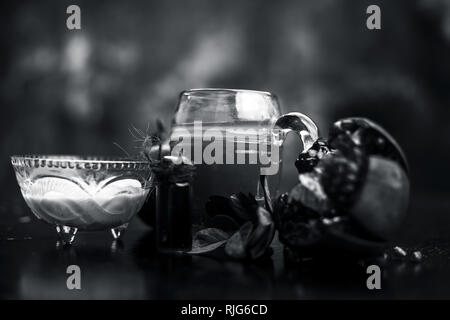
(83, 193)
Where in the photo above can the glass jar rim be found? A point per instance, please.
(195, 91)
(32, 160)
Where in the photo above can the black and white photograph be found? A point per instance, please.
(208, 150)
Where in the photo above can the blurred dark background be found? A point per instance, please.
(76, 92)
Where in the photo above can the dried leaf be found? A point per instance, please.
(255, 235)
(263, 234)
(198, 248)
(236, 246)
(237, 208)
(207, 240)
(210, 235)
(244, 206)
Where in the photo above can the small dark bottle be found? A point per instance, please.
(174, 207)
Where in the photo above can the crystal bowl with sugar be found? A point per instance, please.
(83, 193)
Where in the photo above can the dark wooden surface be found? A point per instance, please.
(33, 266)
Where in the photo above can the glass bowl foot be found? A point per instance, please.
(119, 231)
(66, 234)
